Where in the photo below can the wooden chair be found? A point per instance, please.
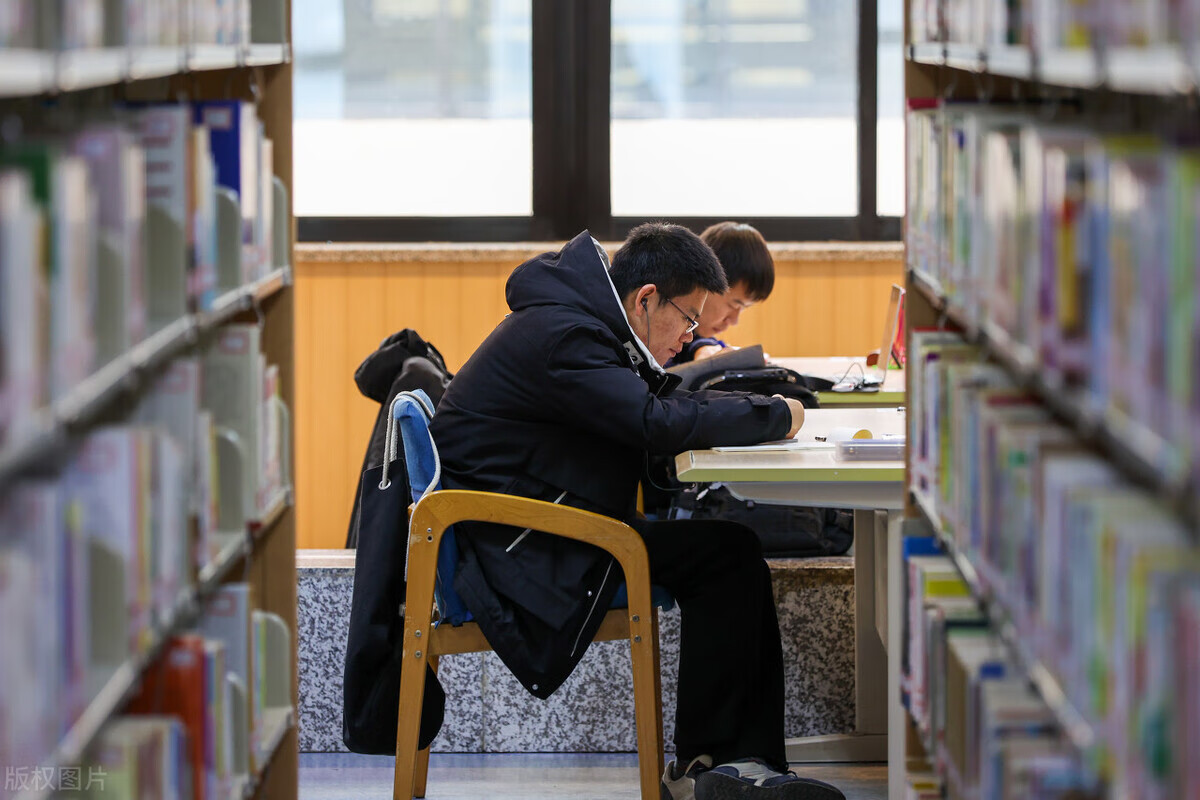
(425, 641)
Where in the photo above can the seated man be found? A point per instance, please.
(562, 402)
(750, 273)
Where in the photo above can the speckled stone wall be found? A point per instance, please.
(488, 711)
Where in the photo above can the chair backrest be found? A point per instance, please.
(411, 414)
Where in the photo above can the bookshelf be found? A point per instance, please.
(211, 508)
(1050, 570)
(1163, 70)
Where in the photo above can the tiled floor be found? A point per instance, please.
(608, 776)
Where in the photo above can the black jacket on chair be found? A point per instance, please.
(562, 402)
(403, 362)
(371, 671)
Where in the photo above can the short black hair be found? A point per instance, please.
(671, 257)
(744, 254)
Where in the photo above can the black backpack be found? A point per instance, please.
(784, 531)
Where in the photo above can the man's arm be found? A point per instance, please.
(592, 387)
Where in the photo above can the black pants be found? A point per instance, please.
(730, 696)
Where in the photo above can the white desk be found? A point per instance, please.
(875, 489)
(834, 368)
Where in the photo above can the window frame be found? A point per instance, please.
(571, 54)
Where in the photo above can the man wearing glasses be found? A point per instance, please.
(562, 402)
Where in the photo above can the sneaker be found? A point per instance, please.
(754, 780)
(679, 783)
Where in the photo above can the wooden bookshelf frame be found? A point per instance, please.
(1150, 79)
(264, 553)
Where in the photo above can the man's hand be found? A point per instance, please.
(710, 350)
(797, 409)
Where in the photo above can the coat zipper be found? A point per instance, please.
(527, 531)
(592, 610)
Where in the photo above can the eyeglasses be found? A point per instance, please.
(692, 323)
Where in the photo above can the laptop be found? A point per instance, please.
(872, 377)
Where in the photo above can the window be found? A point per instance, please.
(890, 114)
(734, 108)
(533, 119)
(412, 108)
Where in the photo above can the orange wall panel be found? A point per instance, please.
(346, 305)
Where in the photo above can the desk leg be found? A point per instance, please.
(869, 740)
(897, 716)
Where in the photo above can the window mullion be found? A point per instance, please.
(868, 106)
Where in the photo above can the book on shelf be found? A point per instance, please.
(36, 600)
(203, 252)
(1009, 542)
(1060, 164)
(227, 619)
(265, 227)
(233, 385)
(1137, 256)
(117, 167)
(1086, 568)
(1183, 310)
(973, 655)
(1050, 27)
(935, 591)
(24, 308)
(217, 744)
(957, 382)
(108, 484)
(271, 464)
(172, 403)
(170, 556)
(271, 647)
(1009, 711)
(925, 347)
(1184, 756)
(1073, 252)
(205, 493)
(18, 27)
(136, 756)
(166, 136)
(235, 142)
(922, 785)
(179, 685)
(72, 24)
(1060, 470)
(61, 189)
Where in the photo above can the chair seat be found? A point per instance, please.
(659, 597)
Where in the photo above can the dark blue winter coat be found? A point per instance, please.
(562, 400)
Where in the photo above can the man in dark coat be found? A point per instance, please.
(562, 402)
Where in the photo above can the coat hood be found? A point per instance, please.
(376, 373)
(577, 276)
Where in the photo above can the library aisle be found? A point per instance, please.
(1049, 568)
(147, 535)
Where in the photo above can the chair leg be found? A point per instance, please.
(423, 756)
(658, 685)
(647, 708)
(417, 627)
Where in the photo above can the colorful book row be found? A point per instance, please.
(119, 229)
(1098, 581)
